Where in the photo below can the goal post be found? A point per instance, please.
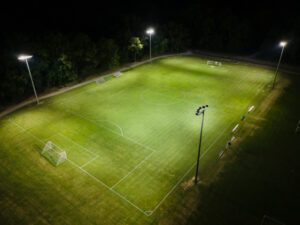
(54, 154)
(213, 63)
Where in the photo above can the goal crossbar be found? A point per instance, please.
(54, 154)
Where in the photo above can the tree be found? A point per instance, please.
(107, 54)
(82, 54)
(135, 46)
(177, 35)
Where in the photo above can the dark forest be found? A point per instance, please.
(71, 43)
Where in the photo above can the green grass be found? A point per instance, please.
(130, 142)
(260, 175)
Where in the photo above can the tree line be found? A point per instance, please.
(61, 57)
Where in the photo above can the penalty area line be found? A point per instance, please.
(137, 166)
(66, 138)
(101, 182)
(187, 172)
(90, 175)
(22, 128)
(88, 162)
(220, 135)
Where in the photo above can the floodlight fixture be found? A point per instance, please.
(282, 44)
(25, 58)
(150, 31)
(201, 110)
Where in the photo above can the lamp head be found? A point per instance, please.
(24, 57)
(201, 109)
(150, 31)
(283, 43)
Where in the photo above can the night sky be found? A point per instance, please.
(87, 17)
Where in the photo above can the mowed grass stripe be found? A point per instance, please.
(160, 138)
(151, 184)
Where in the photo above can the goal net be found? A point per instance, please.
(54, 154)
(213, 63)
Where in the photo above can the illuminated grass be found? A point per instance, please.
(142, 128)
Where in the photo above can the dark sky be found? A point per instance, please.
(80, 16)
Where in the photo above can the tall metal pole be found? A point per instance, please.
(196, 176)
(37, 99)
(150, 46)
(277, 67)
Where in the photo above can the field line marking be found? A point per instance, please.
(184, 175)
(89, 151)
(101, 182)
(140, 144)
(92, 88)
(42, 123)
(90, 175)
(50, 137)
(65, 98)
(89, 161)
(219, 136)
(99, 125)
(137, 166)
(112, 122)
(22, 128)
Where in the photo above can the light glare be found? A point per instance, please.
(150, 31)
(24, 57)
(283, 43)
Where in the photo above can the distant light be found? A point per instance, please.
(150, 31)
(24, 57)
(283, 43)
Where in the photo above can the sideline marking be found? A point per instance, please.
(147, 213)
(22, 128)
(137, 166)
(89, 161)
(90, 175)
(180, 180)
(115, 192)
(262, 86)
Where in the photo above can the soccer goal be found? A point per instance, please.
(54, 154)
(213, 63)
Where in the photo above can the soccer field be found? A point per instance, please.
(130, 141)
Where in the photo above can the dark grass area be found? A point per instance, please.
(263, 175)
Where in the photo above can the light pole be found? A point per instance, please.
(282, 44)
(201, 110)
(25, 58)
(150, 31)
